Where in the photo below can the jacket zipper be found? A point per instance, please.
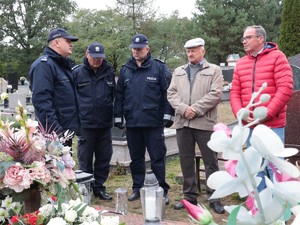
(253, 78)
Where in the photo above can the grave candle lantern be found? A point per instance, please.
(151, 199)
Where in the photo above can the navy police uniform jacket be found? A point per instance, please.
(95, 94)
(141, 94)
(53, 92)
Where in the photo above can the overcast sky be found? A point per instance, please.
(185, 7)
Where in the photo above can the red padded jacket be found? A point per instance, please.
(270, 66)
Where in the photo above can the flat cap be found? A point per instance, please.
(194, 43)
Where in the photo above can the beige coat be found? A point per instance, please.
(203, 96)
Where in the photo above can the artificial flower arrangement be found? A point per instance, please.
(3, 96)
(274, 204)
(9, 208)
(74, 212)
(22, 80)
(29, 156)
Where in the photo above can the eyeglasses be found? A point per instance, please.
(247, 38)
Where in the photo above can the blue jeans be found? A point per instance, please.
(268, 171)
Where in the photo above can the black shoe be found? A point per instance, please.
(134, 196)
(217, 207)
(167, 201)
(179, 205)
(103, 195)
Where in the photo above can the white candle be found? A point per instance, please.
(150, 206)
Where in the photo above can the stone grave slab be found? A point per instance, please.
(14, 98)
(3, 85)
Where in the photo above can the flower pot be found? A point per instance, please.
(33, 199)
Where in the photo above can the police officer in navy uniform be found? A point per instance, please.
(51, 83)
(141, 99)
(95, 84)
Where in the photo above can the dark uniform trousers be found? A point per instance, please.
(96, 142)
(186, 140)
(152, 138)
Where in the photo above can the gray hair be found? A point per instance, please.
(260, 31)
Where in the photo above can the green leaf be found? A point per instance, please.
(233, 215)
(82, 209)
(287, 214)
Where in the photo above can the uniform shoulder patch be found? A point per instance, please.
(44, 58)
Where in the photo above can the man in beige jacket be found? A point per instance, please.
(194, 93)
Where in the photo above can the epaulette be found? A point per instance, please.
(158, 60)
(76, 66)
(44, 58)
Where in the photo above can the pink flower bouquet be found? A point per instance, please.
(31, 156)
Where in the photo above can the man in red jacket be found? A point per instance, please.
(263, 63)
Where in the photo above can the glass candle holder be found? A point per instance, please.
(121, 200)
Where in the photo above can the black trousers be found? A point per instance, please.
(186, 140)
(94, 155)
(138, 139)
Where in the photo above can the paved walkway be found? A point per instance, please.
(137, 219)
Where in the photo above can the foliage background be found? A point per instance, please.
(24, 26)
(290, 38)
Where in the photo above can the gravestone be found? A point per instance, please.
(292, 131)
(227, 72)
(23, 89)
(14, 98)
(296, 75)
(13, 80)
(3, 85)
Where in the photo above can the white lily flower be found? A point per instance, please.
(6, 203)
(271, 148)
(229, 146)
(224, 184)
(287, 192)
(274, 199)
(70, 215)
(56, 221)
(272, 211)
(3, 214)
(243, 216)
(273, 207)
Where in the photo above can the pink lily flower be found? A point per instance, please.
(230, 167)
(281, 177)
(222, 126)
(250, 204)
(199, 215)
